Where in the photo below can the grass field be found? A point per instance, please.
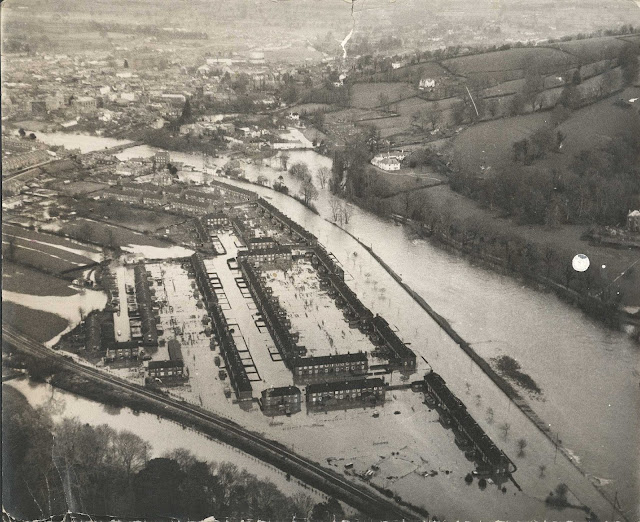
(108, 234)
(489, 144)
(412, 73)
(592, 49)
(78, 187)
(367, 95)
(509, 60)
(140, 219)
(25, 280)
(42, 326)
(46, 251)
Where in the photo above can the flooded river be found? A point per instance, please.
(163, 435)
(589, 376)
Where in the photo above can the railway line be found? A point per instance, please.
(359, 497)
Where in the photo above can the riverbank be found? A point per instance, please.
(541, 260)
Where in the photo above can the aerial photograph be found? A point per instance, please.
(320, 260)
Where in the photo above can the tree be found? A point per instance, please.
(284, 159)
(542, 469)
(186, 111)
(505, 430)
(336, 211)
(32, 136)
(22, 132)
(131, 452)
(327, 511)
(346, 213)
(323, 175)
(300, 170)
(126, 63)
(309, 192)
(11, 249)
(522, 444)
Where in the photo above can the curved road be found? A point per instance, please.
(361, 498)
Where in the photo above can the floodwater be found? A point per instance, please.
(589, 376)
(70, 307)
(78, 141)
(163, 435)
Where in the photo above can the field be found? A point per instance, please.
(489, 144)
(509, 60)
(110, 235)
(42, 326)
(22, 279)
(45, 251)
(78, 187)
(412, 73)
(367, 95)
(139, 219)
(592, 49)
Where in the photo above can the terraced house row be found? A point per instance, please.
(237, 374)
(470, 437)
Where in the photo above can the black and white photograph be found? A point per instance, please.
(320, 260)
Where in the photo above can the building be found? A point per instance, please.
(165, 370)
(361, 392)
(161, 159)
(215, 219)
(267, 255)
(233, 362)
(282, 400)
(184, 206)
(122, 351)
(84, 104)
(386, 162)
(426, 83)
(469, 436)
(400, 356)
(261, 243)
(330, 367)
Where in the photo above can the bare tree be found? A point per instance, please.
(308, 191)
(284, 160)
(505, 430)
(324, 174)
(490, 415)
(522, 444)
(347, 212)
(336, 212)
(131, 451)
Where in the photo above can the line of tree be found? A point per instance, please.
(49, 468)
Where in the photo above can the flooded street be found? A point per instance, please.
(584, 371)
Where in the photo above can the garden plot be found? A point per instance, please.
(322, 327)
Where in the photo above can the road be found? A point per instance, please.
(360, 497)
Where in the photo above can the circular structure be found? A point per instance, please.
(580, 263)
